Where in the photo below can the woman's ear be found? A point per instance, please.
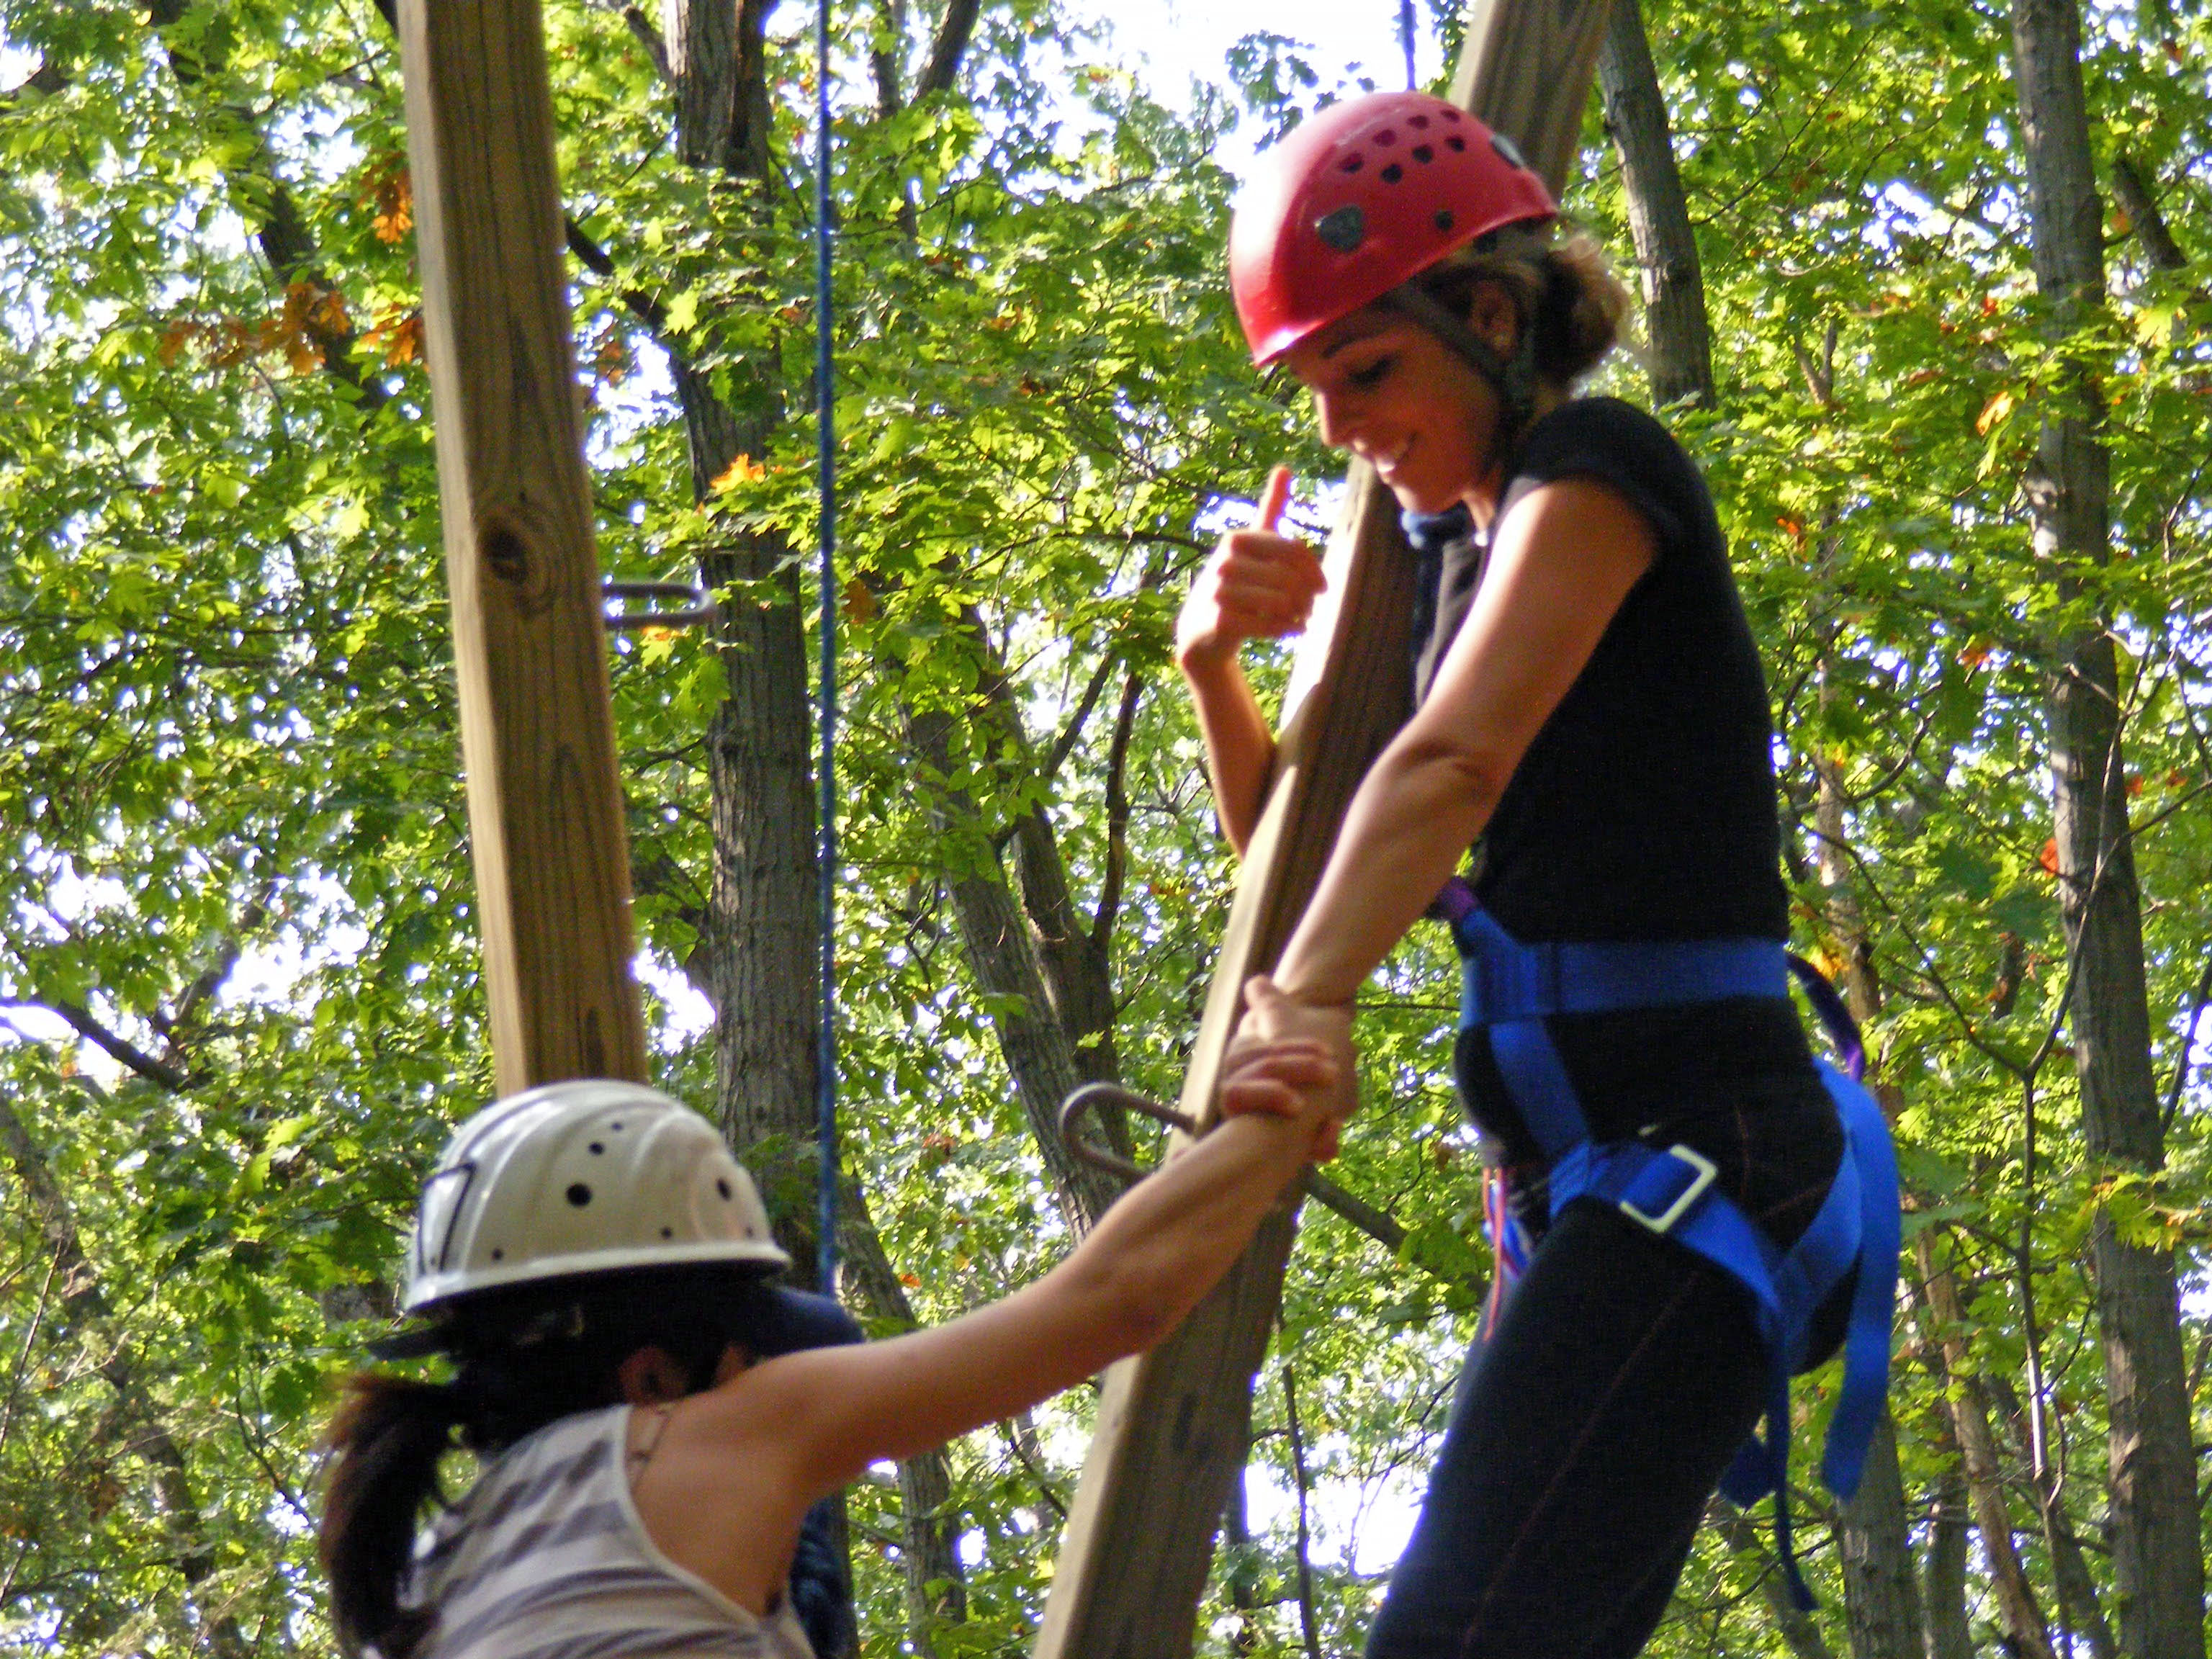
(650, 1376)
(1494, 316)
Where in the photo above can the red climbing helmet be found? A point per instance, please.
(1357, 200)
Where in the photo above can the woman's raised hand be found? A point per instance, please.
(1257, 585)
(1273, 1022)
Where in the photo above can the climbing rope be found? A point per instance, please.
(825, 1120)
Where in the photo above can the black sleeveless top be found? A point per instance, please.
(1645, 807)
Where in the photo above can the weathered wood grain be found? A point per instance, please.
(536, 733)
(1173, 1425)
(1526, 69)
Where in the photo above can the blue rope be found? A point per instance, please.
(1406, 38)
(826, 842)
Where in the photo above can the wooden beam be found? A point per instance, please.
(545, 814)
(1173, 1425)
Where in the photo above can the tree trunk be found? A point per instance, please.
(936, 1588)
(2080, 1608)
(1240, 1569)
(929, 1530)
(2022, 1620)
(1881, 1592)
(1881, 1595)
(1943, 1579)
(2157, 1553)
(1681, 347)
(1039, 1051)
(1798, 1628)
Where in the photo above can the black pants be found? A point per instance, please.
(1590, 1427)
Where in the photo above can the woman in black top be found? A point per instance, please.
(1590, 709)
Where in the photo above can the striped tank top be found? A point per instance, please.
(546, 1558)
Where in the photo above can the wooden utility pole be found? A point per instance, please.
(545, 814)
(1173, 1425)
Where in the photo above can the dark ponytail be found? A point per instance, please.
(390, 1433)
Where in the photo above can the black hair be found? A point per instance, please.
(522, 1356)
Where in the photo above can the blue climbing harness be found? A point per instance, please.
(1510, 987)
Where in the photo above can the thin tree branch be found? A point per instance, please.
(1064, 744)
(123, 1052)
(2188, 1044)
(596, 260)
(948, 49)
(2152, 233)
(1117, 814)
(1306, 1620)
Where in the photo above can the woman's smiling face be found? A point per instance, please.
(1388, 391)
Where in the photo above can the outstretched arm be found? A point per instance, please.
(831, 1412)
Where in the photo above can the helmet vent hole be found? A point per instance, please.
(1343, 229)
(499, 1255)
(668, 1232)
(1387, 138)
(1393, 173)
(1419, 122)
(1455, 142)
(598, 1149)
(723, 1185)
(1352, 164)
(579, 1193)
(1443, 220)
(1423, 154)
(616, 1127)
(1449, 114)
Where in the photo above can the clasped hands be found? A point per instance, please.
(1276, 1026)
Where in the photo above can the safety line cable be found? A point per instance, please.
(825, 1125)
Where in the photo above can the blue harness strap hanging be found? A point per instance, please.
(1509, 988)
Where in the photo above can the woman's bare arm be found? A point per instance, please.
(1257, 585)
(1240, 749)
(825, 1414)
(1565, 558)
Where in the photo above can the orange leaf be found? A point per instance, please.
(2050, 859)
(1995, 410)
(859, 601)
(405, 341)
(744, 470)
(391, 197)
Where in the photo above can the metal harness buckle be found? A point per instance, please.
(1664, 1221)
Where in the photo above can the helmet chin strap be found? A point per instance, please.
(1512, 378)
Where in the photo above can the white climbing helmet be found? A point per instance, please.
(582, 1177)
